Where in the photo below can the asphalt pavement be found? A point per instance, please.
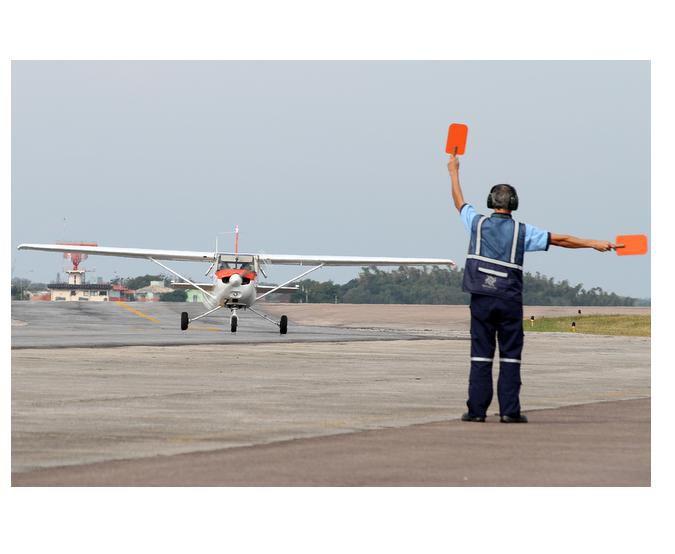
(601, 444)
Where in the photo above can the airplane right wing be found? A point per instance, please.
(177, 255)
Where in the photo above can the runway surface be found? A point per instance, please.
(111, 415)
(106, 324)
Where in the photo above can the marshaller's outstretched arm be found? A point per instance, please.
(568, 241)
(457, 196)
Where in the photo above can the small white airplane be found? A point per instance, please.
(234, 283)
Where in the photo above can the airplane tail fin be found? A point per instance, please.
(236, 240)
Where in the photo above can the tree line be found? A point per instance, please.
(410, 285)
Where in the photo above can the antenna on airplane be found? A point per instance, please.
(215, 258)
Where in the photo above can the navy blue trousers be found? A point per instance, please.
(495, 318)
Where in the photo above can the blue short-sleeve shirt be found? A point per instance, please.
(535, 239)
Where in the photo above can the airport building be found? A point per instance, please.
(119, 293)
(78, 290)
(194, 295)
(39, 296)
(152, 292)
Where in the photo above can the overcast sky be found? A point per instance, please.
(337, 158)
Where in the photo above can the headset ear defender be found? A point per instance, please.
(490, 201)
(513, 198)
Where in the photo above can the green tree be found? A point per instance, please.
(173, 296)
(135, 283)
(19, 288)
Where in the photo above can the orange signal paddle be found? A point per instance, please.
(456, 139)
(631, 245)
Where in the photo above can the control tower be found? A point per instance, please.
(77, 289)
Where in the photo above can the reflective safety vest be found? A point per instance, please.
(494, 263)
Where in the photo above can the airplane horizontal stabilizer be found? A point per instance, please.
(209, 287)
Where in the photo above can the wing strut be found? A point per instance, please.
(205, 314)
(256, 312)
(289, 281)
(195, 285)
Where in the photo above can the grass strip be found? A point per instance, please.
(620, 325)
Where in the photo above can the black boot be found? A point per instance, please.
(467, 417)
(513, 419)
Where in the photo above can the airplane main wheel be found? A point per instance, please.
(283, 325)
(233, 324)
(184, 321)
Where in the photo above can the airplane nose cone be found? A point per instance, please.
(235, 280)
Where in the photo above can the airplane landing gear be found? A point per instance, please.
(185, 320)
(233, 323)
(283, 322)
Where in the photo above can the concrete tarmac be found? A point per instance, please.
(74, 409)
(603, 444)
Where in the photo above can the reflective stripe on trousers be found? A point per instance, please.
(511, 360)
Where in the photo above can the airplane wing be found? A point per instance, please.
(177, 255)
(284, 259)
(274, 259)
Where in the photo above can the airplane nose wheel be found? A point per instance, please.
(283, 325)
(184, 321)
(233, 323)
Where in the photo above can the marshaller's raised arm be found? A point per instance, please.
(453, 169)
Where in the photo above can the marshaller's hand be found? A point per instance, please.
(603, 245)
(453, 165)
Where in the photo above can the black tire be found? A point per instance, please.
(283, 325)
(184, 321)
(233, 324)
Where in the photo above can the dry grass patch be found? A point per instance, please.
(622, 325)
